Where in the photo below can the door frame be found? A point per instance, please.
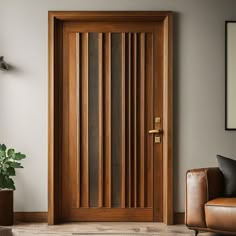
(55, 22)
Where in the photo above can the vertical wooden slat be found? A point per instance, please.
(100, 119)
(84, 141)
(74, 120)
(129, 193)
(142, 120)
(65, 126)
(55, 201)
(78, 91)
(134, 75)
(123, 130)
(107, 111)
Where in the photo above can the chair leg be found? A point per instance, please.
(196, 232)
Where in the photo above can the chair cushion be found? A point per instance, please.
(228, 168)
(221, 214)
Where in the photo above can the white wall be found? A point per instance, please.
(198, 88)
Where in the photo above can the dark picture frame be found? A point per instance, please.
(230, 75)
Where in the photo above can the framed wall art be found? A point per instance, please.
(230, 74)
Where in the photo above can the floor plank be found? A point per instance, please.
(102, 229)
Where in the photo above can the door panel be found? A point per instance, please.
(112, 92)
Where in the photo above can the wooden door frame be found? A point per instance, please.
(55, 21)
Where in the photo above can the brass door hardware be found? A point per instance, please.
(157, 131)
(157, 119)
(157, 139)
(154, 131)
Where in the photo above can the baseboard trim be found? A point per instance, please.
(179, 218)
(41, 217)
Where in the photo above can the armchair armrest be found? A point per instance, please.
(202, 185)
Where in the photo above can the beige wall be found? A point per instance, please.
(198, 88)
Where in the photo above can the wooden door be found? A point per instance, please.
(111, 127)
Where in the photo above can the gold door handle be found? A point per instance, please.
(155, 131)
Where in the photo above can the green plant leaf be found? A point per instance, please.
(2, 153)
(6, 165)
(10, 152)
(9, 183)
(19, 156)
(2, 181)
(15, 164)
(12, 185)
(6, 182)
(11, 171)
(3, 147)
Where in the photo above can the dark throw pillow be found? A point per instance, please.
(228, 168)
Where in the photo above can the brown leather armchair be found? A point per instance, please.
(206, 208)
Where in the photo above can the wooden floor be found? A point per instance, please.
(102, 229)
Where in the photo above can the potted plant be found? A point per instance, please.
(9, 161)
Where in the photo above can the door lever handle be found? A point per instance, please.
(155, 131)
